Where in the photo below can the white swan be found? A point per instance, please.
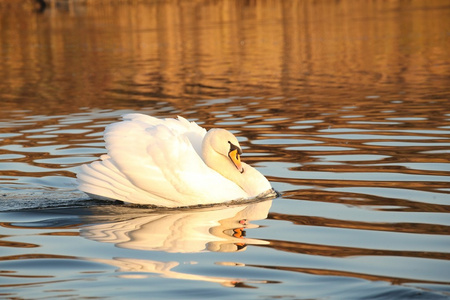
(170, 163)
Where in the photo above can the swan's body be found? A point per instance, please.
(171, 163)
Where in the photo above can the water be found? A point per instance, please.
(344, 107)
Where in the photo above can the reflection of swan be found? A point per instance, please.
(134, 265)
(170, 163)
(186, 231)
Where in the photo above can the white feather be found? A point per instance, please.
(159, 162)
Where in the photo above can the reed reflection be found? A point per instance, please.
(181, 51)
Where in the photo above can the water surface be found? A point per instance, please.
(344, 107)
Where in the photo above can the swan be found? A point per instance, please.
(170, 163)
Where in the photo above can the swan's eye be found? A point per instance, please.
(234, 147)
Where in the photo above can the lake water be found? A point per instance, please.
(343, 105)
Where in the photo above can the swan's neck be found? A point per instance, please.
(215, 156)
(221, 164)
(251, 181)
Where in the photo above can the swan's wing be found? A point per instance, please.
(154, 161)
(102, 180)
(179, 126)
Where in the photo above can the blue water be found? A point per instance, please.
(344, 108)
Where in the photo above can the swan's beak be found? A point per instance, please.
(236, 159)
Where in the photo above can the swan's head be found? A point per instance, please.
(225, 144)
(221, 152)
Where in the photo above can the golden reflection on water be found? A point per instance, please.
(183, 51)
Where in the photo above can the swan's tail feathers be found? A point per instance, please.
(102, 180)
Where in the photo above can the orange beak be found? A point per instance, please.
(236, 159)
